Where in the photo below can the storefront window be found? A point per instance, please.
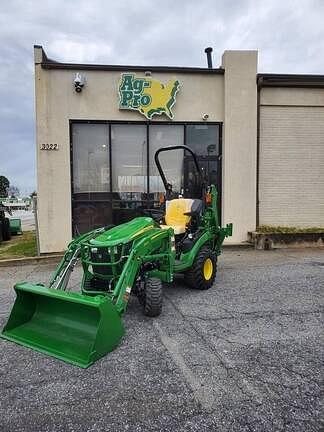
(90, 158)
(171, 162)
(203, 139)
(115, 191)
(129, 161)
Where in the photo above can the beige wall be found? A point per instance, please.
(229, 98)
(57, 102)
(291, 170)
(240, 142)
(292, 96)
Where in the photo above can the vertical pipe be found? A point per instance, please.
(208, 51)
(36, 224)
(258, 156)
(148, 204)
(71, 177)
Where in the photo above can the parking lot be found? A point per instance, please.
(244, 356)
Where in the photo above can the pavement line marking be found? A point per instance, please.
(203, 395)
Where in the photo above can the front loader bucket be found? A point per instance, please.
(69, 326)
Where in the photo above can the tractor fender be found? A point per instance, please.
(188, 258)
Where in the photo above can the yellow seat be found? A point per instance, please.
(174, 214)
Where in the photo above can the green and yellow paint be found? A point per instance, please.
(147, 95)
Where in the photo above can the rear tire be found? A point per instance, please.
(6, 233)
(152, 297)
(202, 274)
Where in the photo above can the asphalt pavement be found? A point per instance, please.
(245, 355)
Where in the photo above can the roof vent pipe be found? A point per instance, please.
(208, 51)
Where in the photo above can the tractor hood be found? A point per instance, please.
(125, 232)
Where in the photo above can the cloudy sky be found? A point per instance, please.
(288, 34)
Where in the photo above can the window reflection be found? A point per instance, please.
(129, 162)
(96, 201)
(203, 139)
(90, 158)
(171, 162)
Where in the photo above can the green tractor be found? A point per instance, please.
(183, 236)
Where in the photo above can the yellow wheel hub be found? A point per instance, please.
(208, 269)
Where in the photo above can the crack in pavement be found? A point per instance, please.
(253, 387)
(205, 397)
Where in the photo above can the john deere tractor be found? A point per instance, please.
(182, 236)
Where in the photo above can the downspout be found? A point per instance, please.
(259, 85)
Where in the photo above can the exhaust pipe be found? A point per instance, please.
(208, 51)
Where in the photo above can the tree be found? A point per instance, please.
(4, 186)
(13, 191)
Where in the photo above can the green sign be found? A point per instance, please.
(147, 95)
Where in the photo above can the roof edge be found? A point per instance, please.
(290, 80)
(48, 63)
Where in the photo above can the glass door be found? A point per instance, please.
(129, 171)
(171, 162)
(91, 197)
(204, 140)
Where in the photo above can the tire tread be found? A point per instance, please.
(153, 297)
(194, 276)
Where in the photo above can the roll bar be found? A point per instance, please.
(168, 186)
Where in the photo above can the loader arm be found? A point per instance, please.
(143, 251)
(60, 277)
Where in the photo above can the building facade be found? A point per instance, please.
(258, 137)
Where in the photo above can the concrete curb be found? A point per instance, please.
(243, 245)
(265, 241)
(43, 259)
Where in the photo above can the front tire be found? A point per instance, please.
(202, 274)
(152, 297)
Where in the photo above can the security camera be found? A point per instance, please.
(79, 82)
(205, 117)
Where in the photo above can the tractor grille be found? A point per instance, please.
(113, 256)
(103, 265)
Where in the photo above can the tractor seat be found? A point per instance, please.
(175, 216)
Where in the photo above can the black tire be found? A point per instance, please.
(203, 271)
(95, 284)
(152, 297)
(6, 233)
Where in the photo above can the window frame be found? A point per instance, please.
(147, 124)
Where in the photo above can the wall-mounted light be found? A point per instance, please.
(79, 82)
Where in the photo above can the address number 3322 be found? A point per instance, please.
(49, 146)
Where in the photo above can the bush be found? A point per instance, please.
(267, 229)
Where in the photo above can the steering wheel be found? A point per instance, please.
(154, 213)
